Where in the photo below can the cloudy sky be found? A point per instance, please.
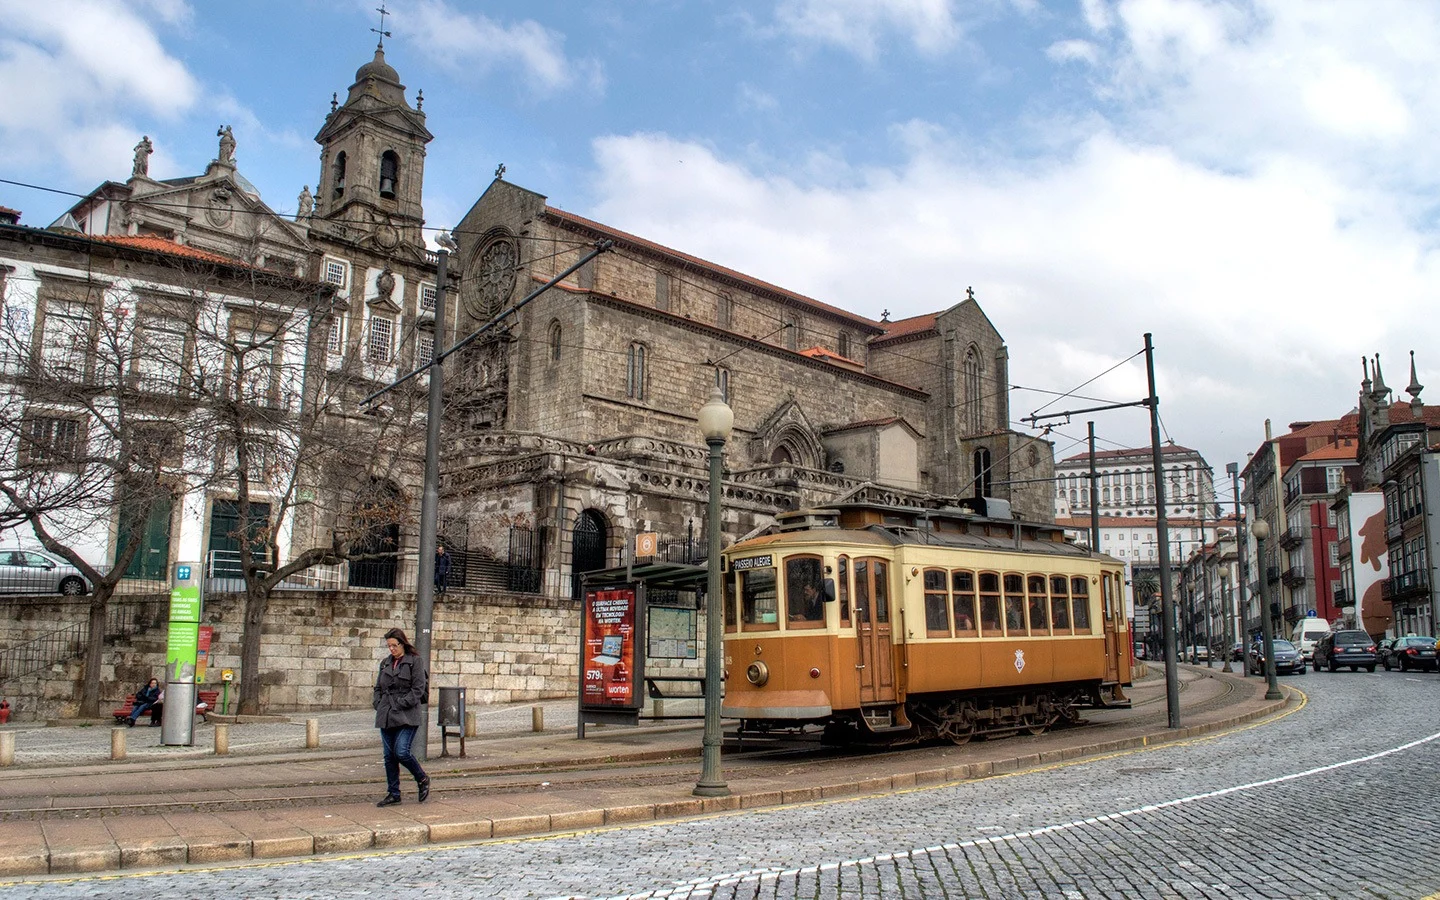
(1252, 181)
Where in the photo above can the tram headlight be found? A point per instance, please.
(757, 673)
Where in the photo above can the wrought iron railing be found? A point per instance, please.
(122, 619)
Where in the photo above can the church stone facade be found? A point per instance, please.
(574, 420)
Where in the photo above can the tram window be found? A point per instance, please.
(1080, 594)
(842, 588)
(1107, 597)
(803, 604)
(759, 605)
(882, 594)
(1014, 604)
(937, 604)
(862, 592)
(962, 588)
(990, 604)
(728, 598)
(1059, 604)
(1039, 605)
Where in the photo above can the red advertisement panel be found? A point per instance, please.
(608, 670)
(202, 652)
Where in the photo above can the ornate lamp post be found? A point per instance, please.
(1261, 530)
(716, 420)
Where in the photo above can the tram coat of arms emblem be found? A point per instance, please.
(1019, 660)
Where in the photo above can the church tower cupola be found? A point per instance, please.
(372, 162)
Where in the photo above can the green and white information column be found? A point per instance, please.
(177, 724)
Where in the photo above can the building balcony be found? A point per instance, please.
(1405, 587)
(1342, 597)
(1272, 574)
(1292, 538)
(1294, 576)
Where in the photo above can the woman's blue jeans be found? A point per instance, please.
(397, 753)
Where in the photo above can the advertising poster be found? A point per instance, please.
(609, 667)
(202, 652)
(1370, 564)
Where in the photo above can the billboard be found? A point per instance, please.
(1370, 564)
(611, 661)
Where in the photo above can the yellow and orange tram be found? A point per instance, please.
(887, 623)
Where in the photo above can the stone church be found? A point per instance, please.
(572, 424)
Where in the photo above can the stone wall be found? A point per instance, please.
(320, 650)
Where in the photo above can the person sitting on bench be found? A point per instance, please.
(145, 698)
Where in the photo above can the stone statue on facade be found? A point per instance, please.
(307, 203)
(227, 145)
(142, 158)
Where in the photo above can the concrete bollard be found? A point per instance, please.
(117, 743)
(537, 718)
(7, 748)
(312, 734)
(469, 724)
(222, 740)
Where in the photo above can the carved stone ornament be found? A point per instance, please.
(218, 210)
(490, 280)
(385, 285)
(387, 236)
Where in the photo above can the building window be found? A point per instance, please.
(722, 381)
(724, 311)
(983, 475)
(427, 297)
(254, 350)
(68, 337)
(843, 347)
(972, 390)
(51, 440)
(336, 272)
(555, 341)
(389, 174)
(161, 350)
(337, 176)
(336, 342)
(1334, 478)
(635, 372)
(379, 344)
(424, 350)
(662, 290)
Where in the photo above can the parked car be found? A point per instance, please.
(1345, 648)
(1288, 659)
(1237, 651)
(1409, 652)
(1139, 650)
(38, 572)
(1197, 653)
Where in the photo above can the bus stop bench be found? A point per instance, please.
(205, 703)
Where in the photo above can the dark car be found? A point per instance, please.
(1237, 651)
(1287, 659)
(1406, 653)
(1355, 649)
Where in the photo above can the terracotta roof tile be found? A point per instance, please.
(168, 247)
(907, 327)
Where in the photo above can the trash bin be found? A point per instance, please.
(452, 714)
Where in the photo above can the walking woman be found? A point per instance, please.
(399, 710)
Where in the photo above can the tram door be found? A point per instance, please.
(876, 658)
(1110, 607)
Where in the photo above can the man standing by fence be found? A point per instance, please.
(442, 569)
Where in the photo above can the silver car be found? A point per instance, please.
(38, 572)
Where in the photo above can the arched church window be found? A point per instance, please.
(337, 176)
(555, 335)
(389, 174)
(983, 476)
(780, 456)
(722, 381)
(723, 311)
(844, 344)
(972, 390)
(635, 372)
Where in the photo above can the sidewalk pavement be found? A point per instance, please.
(66, 807)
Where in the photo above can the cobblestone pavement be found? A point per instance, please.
(1335, 798)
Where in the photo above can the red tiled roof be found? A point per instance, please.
(869, 423)
(168, 247)
(907, 327)
(1346, 449)
(1400, 412)
(638, 241)
(9, 212)
(832, 357)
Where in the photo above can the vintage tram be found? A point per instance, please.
(899, 624)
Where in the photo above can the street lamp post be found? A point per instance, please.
(1241, 631)
(716, 420)
(1261, 530)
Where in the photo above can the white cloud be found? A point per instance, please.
(1073, 51)
(62, 98)
(478, 44)
(859, 25)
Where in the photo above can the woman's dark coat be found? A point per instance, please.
(399, 691)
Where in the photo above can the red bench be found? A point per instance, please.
(205, 703)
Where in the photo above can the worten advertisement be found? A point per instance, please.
(612, 660)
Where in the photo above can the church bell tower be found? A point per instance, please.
(372, 162)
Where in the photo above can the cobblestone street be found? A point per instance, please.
(1287, 807)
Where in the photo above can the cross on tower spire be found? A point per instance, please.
(381, 30)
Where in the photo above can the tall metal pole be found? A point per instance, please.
(430, 499)
(1162, 530)
(1229, 629)
(1094, 495)
(712, 783)
(1205, 585)
(1261, 530)
(1233, 470)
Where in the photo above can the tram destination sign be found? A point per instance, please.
(751, 562)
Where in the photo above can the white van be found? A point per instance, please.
(1306, 632)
